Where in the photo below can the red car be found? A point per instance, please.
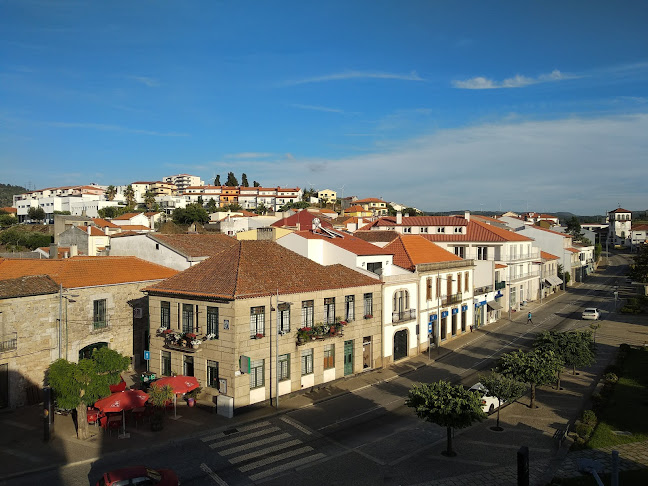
(139, 475)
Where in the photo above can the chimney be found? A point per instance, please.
(88, 229)
(74, 250)
(53, 251)
(399, 218)
(359, 223)
(467, 215)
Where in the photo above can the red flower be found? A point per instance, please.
(190, 335)
(344, 323)
(167, 331)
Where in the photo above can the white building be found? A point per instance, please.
(620, 226)
(182, 181)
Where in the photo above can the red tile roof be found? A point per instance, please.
(564, 235)
(411, 250)
(573, 250)
(640, 227)
(376, 236)
(548, 256)
(369, 200)
(87, 271)
(9, 210)
(94, 231)
(500, 265)
(102, 223)
(355, 209)
(62, 250)
(258, 268)
(27, 286)
(348, 242)
(479, 232)
(193, 245)
(126, 216)
(304, 218)
(135, 227)
(620, 210)
(390, 221)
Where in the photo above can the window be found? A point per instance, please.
(187, 318)
(307, 362)
(458, 283)
(165, 314)
(188, 365)
(458, 229)
(257, 374)
(212, 321)
(99, 314)
(424, 229)
(441, 230)
(212, 374)
(349, 307)
(257, 320)
(482, 253)
(401, 300)
(329, 356)
(368, 304)
(166, 363)
(283, 317)
(428, 288)
(407, 229)
(307, 313)
(438, 289)
(460, 251)
(375, 267)
(448, 285)
(284, 367)
(329, 310)
(466, 281)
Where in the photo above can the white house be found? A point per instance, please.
(132, 219)
(620, 226)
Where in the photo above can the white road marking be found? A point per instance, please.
(269, 440)
(287, 466)
(212, 475)
(244, 437)
(278, 457)
(267, 450)
(296, 425)
(238, 429)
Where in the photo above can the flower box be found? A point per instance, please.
(368, 316)
(259, 336)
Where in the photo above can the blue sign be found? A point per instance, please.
(464, 308)
(433, 317)
(455, 311)
(444, 314)
(147, 355)
(430, 328)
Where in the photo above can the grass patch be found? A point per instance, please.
(627, 406)
(640, 476)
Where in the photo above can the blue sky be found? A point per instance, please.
(435, 104)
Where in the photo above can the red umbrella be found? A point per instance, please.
(179, 384)
(125, 400)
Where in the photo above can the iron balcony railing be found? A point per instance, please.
(98, 324)
(515, 257)
(9, 342)
(500, 285)
(452, 299)
(482, 290)
(405, 315)
(523, 276)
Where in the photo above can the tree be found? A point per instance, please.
(159, 396)
(211, 205)
(110, 192)
(390, 210)
(244, 181)
(447, 405)
(217, 181)
(36, 213)
(193, 213)
(504, 388)
(261, 209)
(129, 195)
(574, 229)
(411, 211)
(7, 220)
(535, 368)
(110, 212)
(78, 385)
(598, 249)
(200, 201)
(232, 181)
(639, 269)
(149, 200)
(294, 205)
(574, 348)
(256, 184)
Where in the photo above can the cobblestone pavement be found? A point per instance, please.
(632, 456)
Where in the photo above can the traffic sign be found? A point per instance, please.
(147, 355)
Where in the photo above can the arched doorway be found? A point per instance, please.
(400, 344)
(86, 353)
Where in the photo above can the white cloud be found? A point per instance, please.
(570, 164)
(517, 81)
(412, 76)
(317, 108)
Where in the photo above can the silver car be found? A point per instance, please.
(489, 404)
(591, 313)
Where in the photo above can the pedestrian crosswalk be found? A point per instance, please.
(263, 449)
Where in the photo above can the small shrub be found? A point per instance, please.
(611, 378)
(579, 443)
(584, 430)
(589, 417)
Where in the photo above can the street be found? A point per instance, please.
(371, 437)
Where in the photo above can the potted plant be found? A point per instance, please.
(210, 336)
(303, 334)
(368, 316)
(192, 396)
(159, 396)
(195, 343)
(258, 335)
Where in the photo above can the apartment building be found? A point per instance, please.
(182, 181)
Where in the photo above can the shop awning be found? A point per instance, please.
(494, 305)
(553, 280)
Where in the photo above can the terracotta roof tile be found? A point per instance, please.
(87, 271)
(304, 218)
(62, 250)
(368, 200)
(573, 250)
(620, 210)
(192, 245)
(355, 209)
(376, 236)
(126, 216)
(94, 231)
(103, 223)
(640, 227)
(348, 242)
(499, 266)
(411, 250)
(258, 268)
(548, 256)
(135, 227)
(10, 210)
(564, 235)
(26, 286)
(479, 232)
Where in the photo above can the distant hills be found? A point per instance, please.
(7, 192)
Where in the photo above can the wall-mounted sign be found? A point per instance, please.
(433, 317)
(464, 308)
(226, 324)
(455, 311)
(444, 314)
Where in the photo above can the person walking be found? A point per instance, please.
(529, 321)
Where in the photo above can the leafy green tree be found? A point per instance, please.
(390, 210)
(159, 396)
(63, 213)
(217, 181)
(261, 209)
(36, 213)
(598, 249)
(575, 348)
(7, 220)
(110, 212)
(447, 405)
(232, 207)
(504, 388)
(78, 385)
(149, 200)
(294, 205)
(535, 368)
(411, 211)
(232, 181)
(256, 184)
(200, 201)
(244, 181)
(211, 205)
(129, 195)
(639, 269)
(110, 192)
(193, 213)
(574, 229)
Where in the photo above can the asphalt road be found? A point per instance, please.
(365, 437)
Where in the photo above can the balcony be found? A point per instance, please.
(8, 342)
(405, 315)
(99, 324)
(500, 285)
(451, 299)
(515, 257)
(523, 276)
(483, 290)
(186, 342)
(320, 331)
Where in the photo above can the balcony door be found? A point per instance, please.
(348, 357)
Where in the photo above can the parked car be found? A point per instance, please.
(489, 404)
(591, 313)
(140, 475)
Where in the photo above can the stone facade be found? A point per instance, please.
(234, 340)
